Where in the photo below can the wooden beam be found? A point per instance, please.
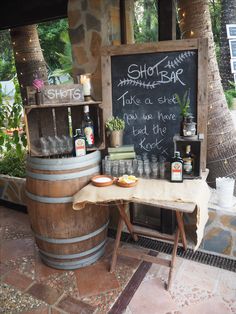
(166, 20)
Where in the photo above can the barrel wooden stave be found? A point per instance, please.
(66, 238)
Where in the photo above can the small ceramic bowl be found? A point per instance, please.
(102, 180)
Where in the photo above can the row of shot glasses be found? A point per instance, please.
(141, 167)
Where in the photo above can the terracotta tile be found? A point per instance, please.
(12, 249)
(150, 296)
(74, 306)
(41, 310)
(3, 269)
(215, 305)
(56, 311)
(95, 279)
(18, 280)
(43, 271)
(44, 293)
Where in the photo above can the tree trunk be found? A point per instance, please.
(228, 16)
(29, 58)
(221, 138)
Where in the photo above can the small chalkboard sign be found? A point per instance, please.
(140, 82)
(55, 94)
(232, 47)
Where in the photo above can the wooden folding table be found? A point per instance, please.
(179, 209)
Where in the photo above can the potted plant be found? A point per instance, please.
(184, 105)
(115, 127)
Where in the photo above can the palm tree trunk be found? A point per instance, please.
(29, 58)
(221, 138)
(228, 16)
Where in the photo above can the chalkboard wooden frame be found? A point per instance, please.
(199, 45)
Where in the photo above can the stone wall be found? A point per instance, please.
(92, 24)
(220, 233)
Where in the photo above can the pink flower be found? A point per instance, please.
(38, 84)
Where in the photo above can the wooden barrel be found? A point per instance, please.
(66, 238)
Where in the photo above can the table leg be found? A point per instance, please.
(121, 207)
(117, 243)
(173, 258)
(180, 222)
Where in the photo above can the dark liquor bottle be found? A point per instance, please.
(87, 125)
(79, 144)
(176, 168)
(188, 161)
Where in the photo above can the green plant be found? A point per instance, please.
(184, 104)
(115, 124)
(12, 135)
(13, 163)
(230, 94)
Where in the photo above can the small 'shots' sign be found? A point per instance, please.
(56, 94)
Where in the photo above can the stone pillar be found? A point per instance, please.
(92, 24)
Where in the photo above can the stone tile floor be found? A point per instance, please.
(28, 286)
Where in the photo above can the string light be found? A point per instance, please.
(183, 14)
(225, 160)
(191, 33)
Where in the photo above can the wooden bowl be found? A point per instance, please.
(102, 180)
(126, 185)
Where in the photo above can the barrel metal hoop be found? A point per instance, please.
(74, 264)
(78, 161)
(62, 176)
(72, 240)
(49, 200)
(59, 165)
(69, 256)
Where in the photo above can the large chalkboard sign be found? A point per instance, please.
(140, 81)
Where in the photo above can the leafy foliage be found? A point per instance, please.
(184, 104)
(13, 163)
(146, 21)
(50, 41)
(7, 64)
(11, 135)
(230, 94)
(64, 58)
(115, 124)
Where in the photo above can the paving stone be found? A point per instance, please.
(74, 306)
(44, 293)
(92, 23)
(95, 5)
(95, 279)
(77, 35)
(95, 45)
(215, 305)
(218, 240)
(228, 221)
(211, 217)
(18, 280)
(84, 5)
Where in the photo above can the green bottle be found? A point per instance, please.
(176, 168)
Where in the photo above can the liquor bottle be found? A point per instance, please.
(176, 168)
(87, 125)
(79, 144)
(188, 161)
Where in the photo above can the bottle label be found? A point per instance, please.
(176, 171)
(80, 149)
(89, 134)
(188, 166)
